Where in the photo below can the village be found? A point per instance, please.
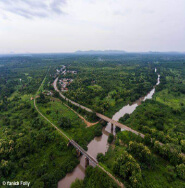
(65, 82)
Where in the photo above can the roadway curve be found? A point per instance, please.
(76, 104)
(94, 161)
(101, 116)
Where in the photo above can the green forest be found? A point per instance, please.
(31, 149)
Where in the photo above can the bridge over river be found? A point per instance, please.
(72, 142)
(105, 118)
(117, 124)
(79, 149)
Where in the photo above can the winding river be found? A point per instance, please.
(99, 144)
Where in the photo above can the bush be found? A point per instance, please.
(147, 139)
(77, 184)
(181, 171)
(125, 117)
(110, 138)
(100, 157)
(96, 178)
(127, 168)
(98, 131)
(117, 129)
(65, 123)
(141, 152)
(48, 112)
(171, 173)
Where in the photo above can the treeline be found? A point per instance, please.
(159, 121)
(134, 157)
(103, 85)
(94, 177)
(31, 150)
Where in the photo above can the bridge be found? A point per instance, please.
(83, 152)
(105, 118)
(117, 124)
(79, 148)
(72, 142)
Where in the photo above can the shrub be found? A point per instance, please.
(181, 171)
(110, 138)
(100, 157)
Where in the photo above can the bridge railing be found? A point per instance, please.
(92, 159)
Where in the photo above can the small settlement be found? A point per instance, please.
(65, 82)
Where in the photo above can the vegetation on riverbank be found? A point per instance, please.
(95, 177)
(139, 165)
(69, 122)
(161, 119)
(107, 85)
(32, 150)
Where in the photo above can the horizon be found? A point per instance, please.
(95, 52)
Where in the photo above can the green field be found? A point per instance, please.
(78, 130)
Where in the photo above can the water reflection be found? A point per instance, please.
(99, 144)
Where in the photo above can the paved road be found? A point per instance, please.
(76, 104)
(98, 114)
(93, 160)
(107, 119)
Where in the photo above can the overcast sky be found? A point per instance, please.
(68, 25)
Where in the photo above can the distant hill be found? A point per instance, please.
(100, 52)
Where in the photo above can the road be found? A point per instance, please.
(76, 104)
(93, 160)
(101, 116)
(107, 119)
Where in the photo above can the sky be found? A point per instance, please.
(55, 26)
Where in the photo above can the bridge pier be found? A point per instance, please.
(112, 126)
(69, 144)
(86, 161)
(78, 152)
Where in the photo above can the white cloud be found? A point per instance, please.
(58, 26)
(32, 8)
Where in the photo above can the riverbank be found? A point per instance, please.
(100, 144)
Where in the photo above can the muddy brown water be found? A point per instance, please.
(99, 144)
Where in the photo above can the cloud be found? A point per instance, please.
(70, 25)
(32, 8)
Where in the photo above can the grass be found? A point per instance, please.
(170, 99)
(59, 110)
(95, 87)
(78, 130)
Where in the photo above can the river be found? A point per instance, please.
(99, 144)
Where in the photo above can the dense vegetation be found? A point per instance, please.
(64, 118)
(32, 150)
(161, 120)
(164, 116)
(104, 85)
(94, 178)
(140, 165)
